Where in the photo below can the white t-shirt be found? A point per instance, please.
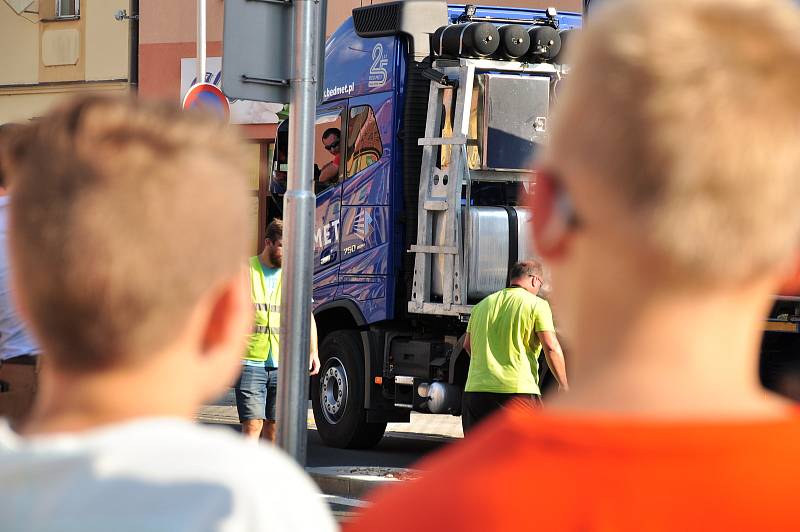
(149, 475)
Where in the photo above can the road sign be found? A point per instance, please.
(209, 97)
(258, 49)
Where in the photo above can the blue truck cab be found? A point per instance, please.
(422, 176)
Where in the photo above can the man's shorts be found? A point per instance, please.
(477, 406)
(257, 393)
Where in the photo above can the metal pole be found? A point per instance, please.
(201, 41)
(133, 28)
(298, 209)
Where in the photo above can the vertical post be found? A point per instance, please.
(298, 208)
(201, 41)
(133, 40)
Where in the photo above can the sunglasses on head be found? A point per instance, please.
(332, 145)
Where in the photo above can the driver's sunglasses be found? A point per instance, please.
(563, 205)
(332, 145)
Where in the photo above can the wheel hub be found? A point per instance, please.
(333, 390)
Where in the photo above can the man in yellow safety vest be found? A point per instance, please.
(256, 389)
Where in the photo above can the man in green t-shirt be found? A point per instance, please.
(505, 335)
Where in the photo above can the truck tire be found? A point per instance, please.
(337, 394)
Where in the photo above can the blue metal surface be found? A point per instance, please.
(355, 219)
(327, 233)
(356, 66)
(325, 284)
(367, 222)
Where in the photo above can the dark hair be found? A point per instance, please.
(332, 131)
(525, 268)
(275, 230)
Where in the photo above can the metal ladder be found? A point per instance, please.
(440, 201)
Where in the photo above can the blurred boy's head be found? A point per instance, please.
(674, 154)
(128, 232)
(7, 133)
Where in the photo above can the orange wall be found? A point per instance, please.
(160, 67)
(163, 21)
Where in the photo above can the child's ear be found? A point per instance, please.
(791, 286)
(551, 231)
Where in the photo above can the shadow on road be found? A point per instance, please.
(392, 451)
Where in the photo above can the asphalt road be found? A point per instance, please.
(394, 450)
(403, 445)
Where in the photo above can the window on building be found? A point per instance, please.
(68, 8)
(364, 145)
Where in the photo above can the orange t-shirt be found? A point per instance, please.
(526, 470)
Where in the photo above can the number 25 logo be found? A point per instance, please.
(377, 72)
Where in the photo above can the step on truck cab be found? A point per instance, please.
(430, 114)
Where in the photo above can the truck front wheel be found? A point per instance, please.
(337, 394)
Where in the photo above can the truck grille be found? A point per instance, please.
(378, 20)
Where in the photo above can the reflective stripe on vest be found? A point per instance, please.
(263, 329)
(263, 342)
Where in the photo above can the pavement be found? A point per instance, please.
(425, 426)
(346, 476)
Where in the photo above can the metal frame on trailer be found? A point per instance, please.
(441, 191)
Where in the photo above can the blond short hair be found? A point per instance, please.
(123, 215)
(689, 112)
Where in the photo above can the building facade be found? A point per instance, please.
(57, 48)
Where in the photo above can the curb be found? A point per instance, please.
(356, 482)
(343, 509)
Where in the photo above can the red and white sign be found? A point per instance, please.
(242, 111)
(209, 97)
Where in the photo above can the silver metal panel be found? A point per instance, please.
(258, 50)
(437, 263)
(488, 251)
(495, 176)
(516, 110)
(525, 231)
